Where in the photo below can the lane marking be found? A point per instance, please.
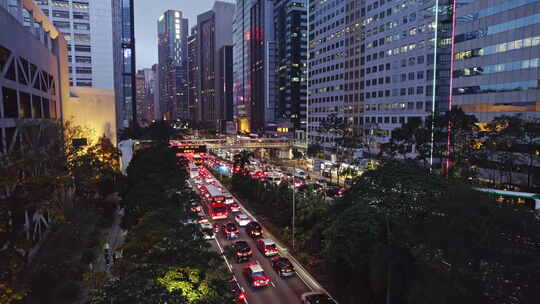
(302, 273)
(308, 280)
(223, 255)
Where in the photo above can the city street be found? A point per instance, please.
(280, 290)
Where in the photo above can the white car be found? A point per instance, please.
(317, 297)
(205, 226)
(242, 219)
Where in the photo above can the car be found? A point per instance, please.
(341, 192)
(230, 231)
(234, 207)
(254, 229)
(299, 182)
(283, 266)
(332, 191)
(237, 291)
(228, 199)
(242, 219)
(267, 247)
(316, 297)
(207, 228)
(255, 276)
(242, 251)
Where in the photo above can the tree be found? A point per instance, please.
(160, 130)
(344, 137)
(242, 159)
(298, 156)
(35, 191)
(514, 143)
(154, 176)
(315, 150)
(438, 231)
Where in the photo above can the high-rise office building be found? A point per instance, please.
(87, 26)
(140, 93)
(124, 63)
(290, 19)
(226, 82)
(375, 64)
(214, 31)
(172, 57)
(354, 52)
(34, 79)
(407, 62)
(497, 58)
(327, 66)
(193, 75)
(254, 58)
(146, 82)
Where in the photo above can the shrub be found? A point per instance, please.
(88, 256)
(68, 291)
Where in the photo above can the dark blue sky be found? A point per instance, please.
(147, 13)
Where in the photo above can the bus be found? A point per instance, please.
(193, 170)
(197, 159)
(531, 200)
(216, 203)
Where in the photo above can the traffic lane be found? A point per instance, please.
(283, 290)
(308, 283)
(265, 295)
(286, 290)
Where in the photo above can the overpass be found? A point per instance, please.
(244, 143)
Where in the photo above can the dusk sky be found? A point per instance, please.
(147, 13)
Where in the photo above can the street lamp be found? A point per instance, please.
(294, 204)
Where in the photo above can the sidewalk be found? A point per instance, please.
(115, 239)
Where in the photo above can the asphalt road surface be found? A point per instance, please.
(280, 290)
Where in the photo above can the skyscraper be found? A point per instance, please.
(87, 27)
(327, 64)
(497, 58)
(124, 63)
(214, 31)
(146, 79)
(254, 64)
(172, 57)
(193, 75)
(226, 82)
(407, 63)
(140, 89)
(290, 17)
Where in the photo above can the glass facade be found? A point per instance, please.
(124, 61)
(496, 51)
(172, 61)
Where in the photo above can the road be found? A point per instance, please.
(280, 290)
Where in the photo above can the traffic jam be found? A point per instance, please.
(261, 273)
